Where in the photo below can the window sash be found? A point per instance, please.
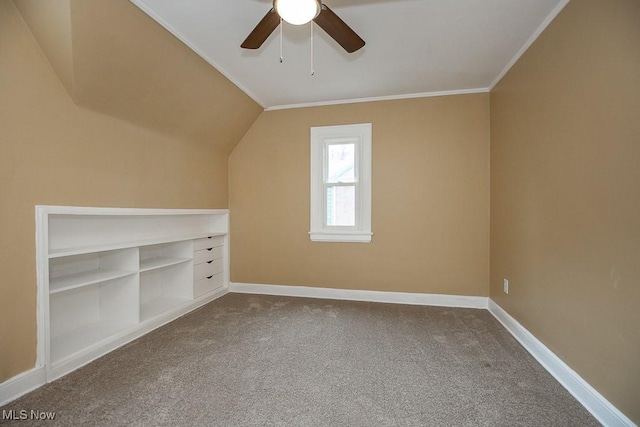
(356, 159)
(354, 183)
(356, 206)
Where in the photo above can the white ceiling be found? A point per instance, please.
(413, 47)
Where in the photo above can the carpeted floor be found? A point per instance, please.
(249, 360)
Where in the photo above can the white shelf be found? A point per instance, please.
(79, 339)
(160, 306)
(61, 252)
(160, 262)
(85, 278)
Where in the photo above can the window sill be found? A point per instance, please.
(343, 237)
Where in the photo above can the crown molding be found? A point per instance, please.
(379, 98)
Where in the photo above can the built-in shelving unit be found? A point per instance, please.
(108, 275)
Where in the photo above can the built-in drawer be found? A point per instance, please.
(206, 269)
(208, 242)
(207, 255)
(208, 284)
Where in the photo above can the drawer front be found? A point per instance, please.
(206, 269)
(208, 242)
(204, 286)
(207, 255)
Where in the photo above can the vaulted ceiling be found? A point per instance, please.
(413, 47)
(195, 82)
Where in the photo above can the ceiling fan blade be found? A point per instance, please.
(262, 31)
(338, 30)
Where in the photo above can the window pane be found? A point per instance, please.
(341, 162)
(341, 205)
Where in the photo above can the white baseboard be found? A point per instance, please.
(360, 295)
(594, 402)
(21, 384)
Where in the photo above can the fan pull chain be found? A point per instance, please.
(281, 56)
(312, 72)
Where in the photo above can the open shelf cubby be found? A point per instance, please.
(159, 256)
(84, 316)
(164, 289)
(75, 271)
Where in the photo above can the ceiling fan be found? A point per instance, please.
(298, 12)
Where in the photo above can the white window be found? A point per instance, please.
(341, 183)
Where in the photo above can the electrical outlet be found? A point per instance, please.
(506, 286)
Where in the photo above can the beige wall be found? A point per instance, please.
(50, 24)
(128, 66)
(430, 199)
(53, 152)
(565, 194)
(116, 60)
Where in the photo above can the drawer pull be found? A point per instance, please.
(209, 277)
(209, 262)
(208, 242)
(209, 249)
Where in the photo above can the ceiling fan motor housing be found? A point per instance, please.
(297, 12)
(320, 13)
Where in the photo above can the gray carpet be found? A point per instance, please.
(248, 360)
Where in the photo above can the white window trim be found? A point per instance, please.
(361, 232)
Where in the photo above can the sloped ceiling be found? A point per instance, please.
(413, 47)
(114, 59)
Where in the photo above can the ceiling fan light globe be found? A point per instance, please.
(297, 12)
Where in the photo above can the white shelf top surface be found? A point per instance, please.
(85, 278)
(160, 262)
(84, 337)
(86, 210)
(161, 305)
(61, 252)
